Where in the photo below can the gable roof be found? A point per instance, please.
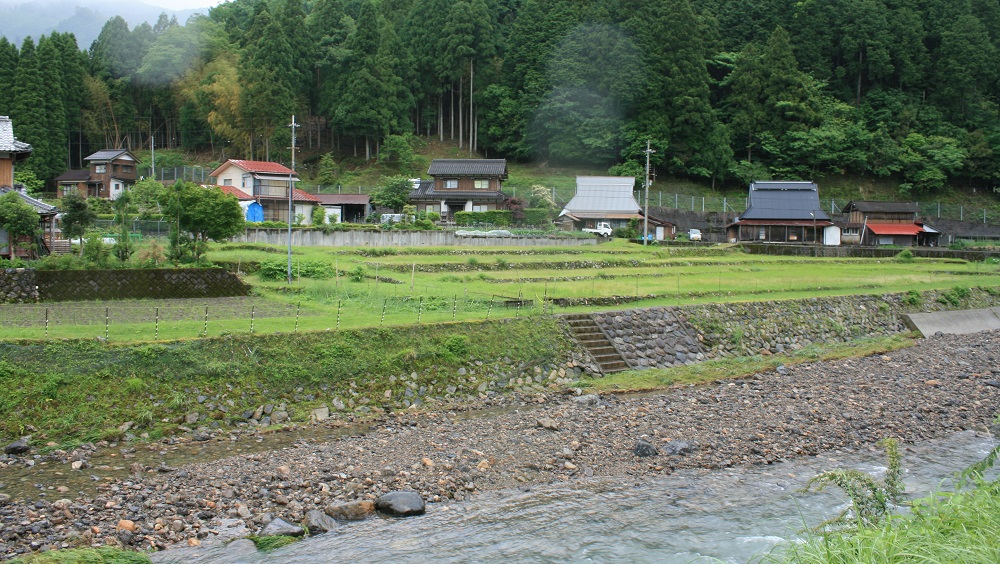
(9, 143)
(425, 192)
(257, 169)
(604, 194)
(882, 207)
(74, 176)
(468, 167)
(109, 155)
(781, 201)
(234, 191)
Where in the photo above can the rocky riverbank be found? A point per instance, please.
(941, 385)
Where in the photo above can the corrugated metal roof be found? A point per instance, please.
(605, 194)
(784, 201)
(468, 167)
(883, 207)
(895, 228)
(9, 143)
(109, 155)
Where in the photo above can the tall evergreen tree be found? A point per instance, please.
(8, 69)
(267, 101)
(28, 112)
(51, 162)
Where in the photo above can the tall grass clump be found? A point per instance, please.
(959, 526)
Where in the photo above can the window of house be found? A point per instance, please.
(126, 168)
(851, 231)
(227, 181)
(761, 234)
(480, 208)
(481, 184)
(100, 169)
(451, 184)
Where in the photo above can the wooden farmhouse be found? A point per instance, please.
(109, 173)
(472, 185)
(267, 184)
(783, 212)
(886, 223)
(608, 199)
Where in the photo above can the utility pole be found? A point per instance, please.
(645, 214)
(291, 190)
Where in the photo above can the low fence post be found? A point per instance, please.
(253, 309)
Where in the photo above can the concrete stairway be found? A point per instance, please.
(597, 344)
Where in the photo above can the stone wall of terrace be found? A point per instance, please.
(662, 337)
(401, 238)
(18, 285)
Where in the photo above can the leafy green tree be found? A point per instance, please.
(394, 193)
(77, 217)
(203, 213)
(149, 196)
(927, 162)
(19, 219)
(123, 247)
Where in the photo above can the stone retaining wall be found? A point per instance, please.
(18, 285)
(662, 337)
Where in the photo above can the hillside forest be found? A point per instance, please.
(723, 91)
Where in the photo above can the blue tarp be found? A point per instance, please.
(255, 212)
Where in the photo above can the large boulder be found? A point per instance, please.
(280, 527)
(352, 511)
(400, 504)
(19, 446)
(642, 449)
(318, 522)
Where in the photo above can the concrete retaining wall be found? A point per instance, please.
(399, 238)
(662, 337)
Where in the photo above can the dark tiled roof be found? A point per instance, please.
(342, 199)
(9, 143)
(426, 191)
(468, 167)
(74, 176)
(784, 201)
(109, 155)
(41, 207)
(891, 207)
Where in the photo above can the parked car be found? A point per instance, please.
(603, 229)
(694, 234)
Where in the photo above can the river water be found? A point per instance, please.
(731, 515)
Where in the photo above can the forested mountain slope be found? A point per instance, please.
(723, 91)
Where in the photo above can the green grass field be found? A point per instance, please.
(337, 288)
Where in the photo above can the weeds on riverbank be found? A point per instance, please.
(872, 501)
(738, 367)
(85, 556)
(959, 526)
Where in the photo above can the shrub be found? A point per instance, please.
(457, 345)
(905, 255)
(912, 298)
(499, 218)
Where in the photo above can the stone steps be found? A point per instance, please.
(588, 334)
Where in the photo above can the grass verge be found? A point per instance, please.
(85, 556)
(712, 370)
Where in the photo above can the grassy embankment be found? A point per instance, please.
(370, 287)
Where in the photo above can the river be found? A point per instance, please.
(731, 515)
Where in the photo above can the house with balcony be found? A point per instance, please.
(109, 173)
(267, 184)
(472, 185)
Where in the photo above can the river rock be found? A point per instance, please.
(318, 522)
(320, 414)
(353, 511)
(642, 449)
(280, 527)
(548, 423)
(677, 448)
(400, 504)
(587, 399)
(19, 446)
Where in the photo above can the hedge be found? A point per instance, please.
(500, 218)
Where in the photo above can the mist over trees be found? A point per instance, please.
(724, 91)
